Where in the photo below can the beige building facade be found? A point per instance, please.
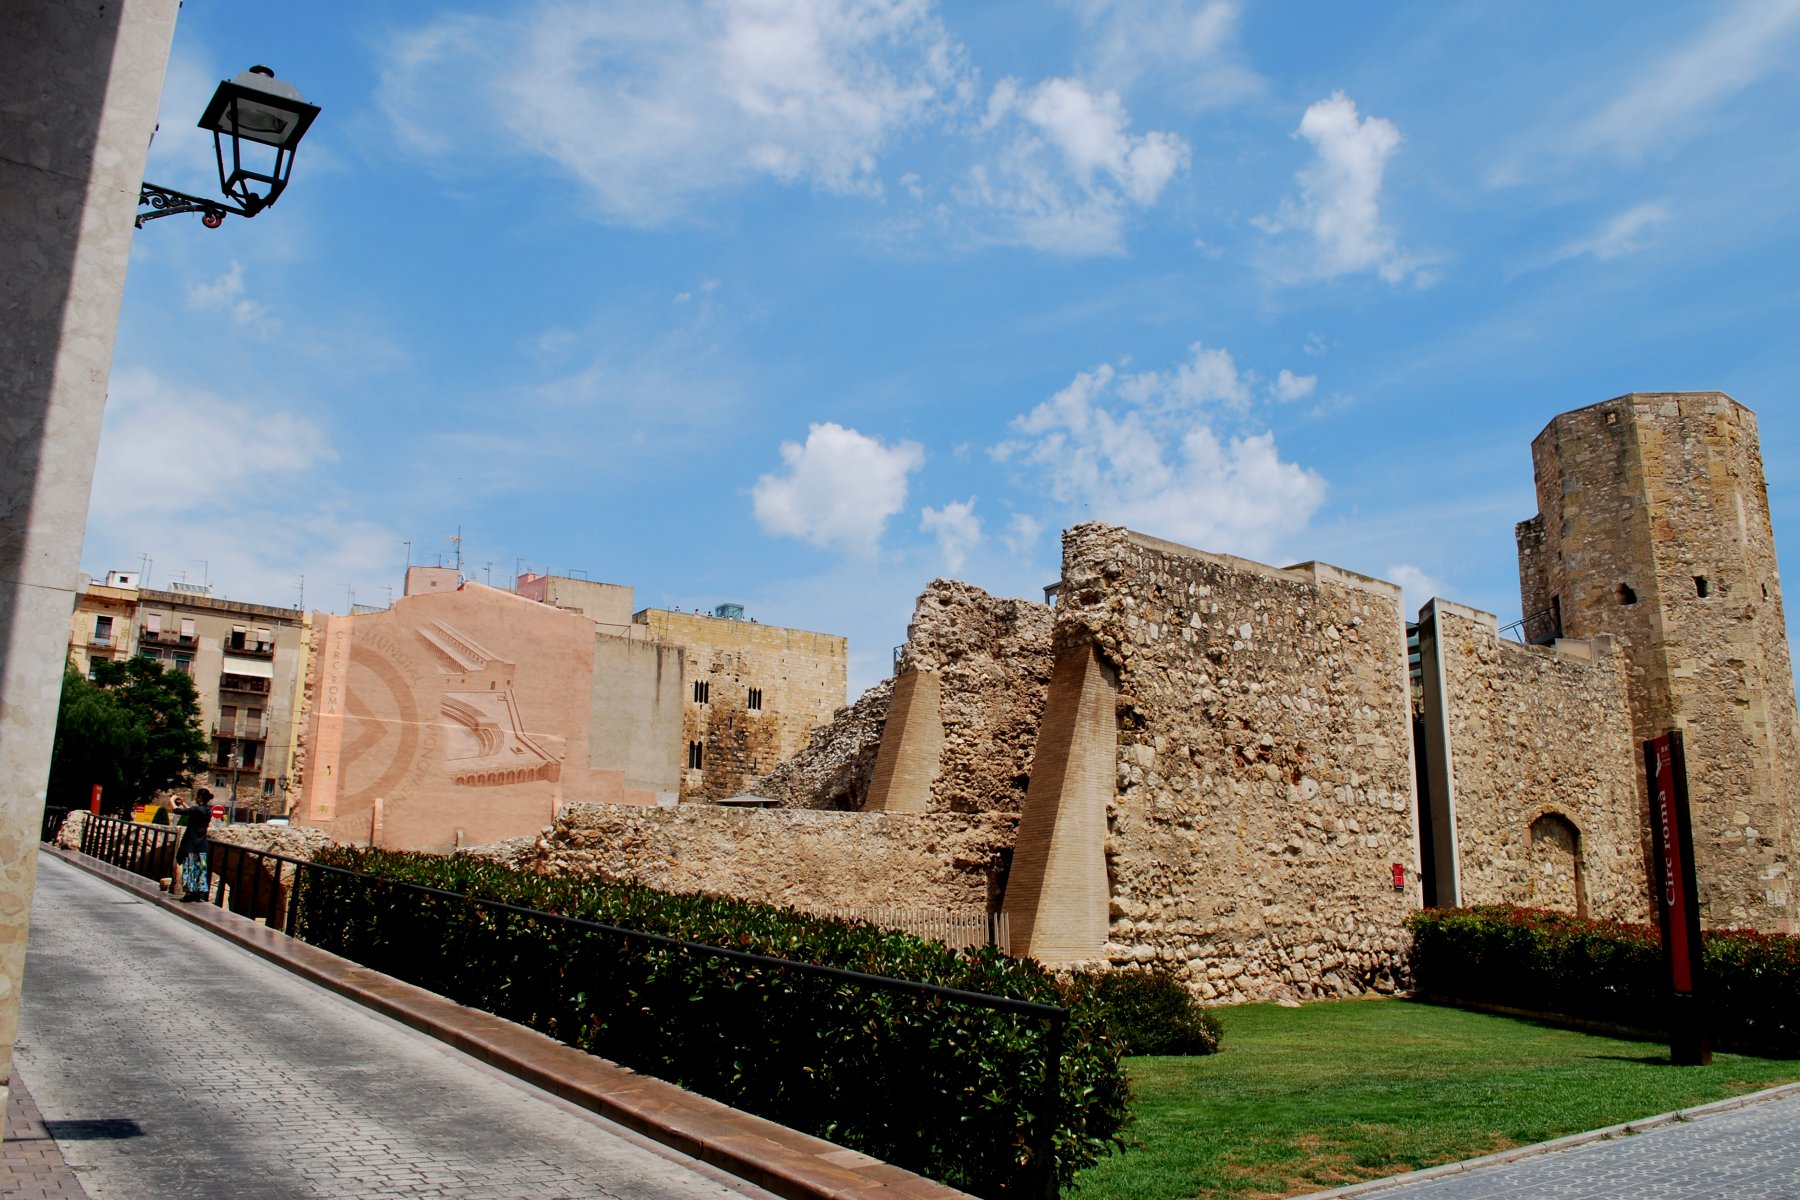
(466, 714)
(247, 661)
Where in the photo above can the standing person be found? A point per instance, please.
(190, 855)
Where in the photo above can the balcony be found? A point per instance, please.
(165, 637)
(249, 685)
(243, 731)
(250, 649)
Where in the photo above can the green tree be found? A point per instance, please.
(134, 729)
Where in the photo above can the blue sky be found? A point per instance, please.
(803, 303)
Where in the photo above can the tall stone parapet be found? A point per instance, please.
(1654, 528)
(1262, 787)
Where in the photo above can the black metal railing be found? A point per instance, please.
(53, 823)
(269, 887)
(135, 846)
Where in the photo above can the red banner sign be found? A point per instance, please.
(1666, 820)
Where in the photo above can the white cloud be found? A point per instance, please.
(1142, 450)
(957, 528)
(1416, 584)
(1190, 49)
(1289, 387)
(652, 107)
(839, 490)
(1622, 235)
(188, 477)
(1666, 100)
(1340, 193)
(1068, 171)
(1022, 533)
(226, 294)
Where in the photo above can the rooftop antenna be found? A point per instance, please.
(389, 588)
(144, 561)
(350, 595)
(408, 555)
(205, 573)
(456, 541)
(518, 570)
(487, 574)
(300, 585)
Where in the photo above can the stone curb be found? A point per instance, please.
(782, 1160)
(1629, 1128)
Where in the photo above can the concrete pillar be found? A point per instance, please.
(79, 86)
(1057, 891)
(912, 745)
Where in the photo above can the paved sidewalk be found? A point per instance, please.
(31, 1163)
(1746, 1153)
(187, 1069)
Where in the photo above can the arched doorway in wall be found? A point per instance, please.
(1555, 877)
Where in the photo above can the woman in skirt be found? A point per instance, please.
(190, 855)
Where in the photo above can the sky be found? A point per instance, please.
(800, 304)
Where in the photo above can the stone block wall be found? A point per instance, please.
(1264, 771)
(1532, 749)
(763, 690)
(819, 861)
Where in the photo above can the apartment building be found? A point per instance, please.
(248, 662)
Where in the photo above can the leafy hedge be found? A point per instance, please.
(1150, 1012)
(950, 1090)
(1607, 971)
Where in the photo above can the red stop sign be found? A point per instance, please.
(218, 810)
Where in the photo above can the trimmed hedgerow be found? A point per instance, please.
(1149, 1012)
(1607, 971)
(949, 1090)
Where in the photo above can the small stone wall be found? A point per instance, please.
(1534, 733)
(818, 861)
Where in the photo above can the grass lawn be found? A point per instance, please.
(1335, 1092)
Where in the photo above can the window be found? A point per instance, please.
(1626, 595)
(227, 717)
(103, 629)
(694, 750)
(237, 637)
(152, 623)
(702, 691)
(187, 629)
(1701, 588)
(268, 787)
(184, 664)
(755, 699)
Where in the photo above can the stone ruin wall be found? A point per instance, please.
(1535, 731)
(826, 862)
(1264, 766)
(991, 656)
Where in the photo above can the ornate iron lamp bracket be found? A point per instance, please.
(154, 202)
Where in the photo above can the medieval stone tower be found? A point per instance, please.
(1653, 527)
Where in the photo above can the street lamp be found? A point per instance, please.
(254, 107)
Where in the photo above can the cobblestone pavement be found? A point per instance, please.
(1749, 1153)
(31, 1163)
(170, 1064)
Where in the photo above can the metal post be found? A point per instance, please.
(1050, 1107)
(293, 910)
